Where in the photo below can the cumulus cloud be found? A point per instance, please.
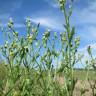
(83, 51)
(88, 32)
(19, 25)
(49, 22)
(53, 3)
(16, 25)
(86, 15)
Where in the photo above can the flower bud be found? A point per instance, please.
(10, 23)
(77, 41)
(6, 44)
(15, 34)
(55, 34)
(33, 30)
(30, 38)
(11, 54)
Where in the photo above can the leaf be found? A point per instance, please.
(89, 50)
(72, 34)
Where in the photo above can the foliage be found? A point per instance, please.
(30, 61)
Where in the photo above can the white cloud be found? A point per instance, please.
(85, 54)
(86, 15)
(85, 20)
(84, 49)
(88, 32)
(49, 22)
(53, 3)
(16, 25)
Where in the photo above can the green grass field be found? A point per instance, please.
(79, 74)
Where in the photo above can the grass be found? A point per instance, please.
(81, 74)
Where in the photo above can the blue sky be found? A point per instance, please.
(48, 14)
